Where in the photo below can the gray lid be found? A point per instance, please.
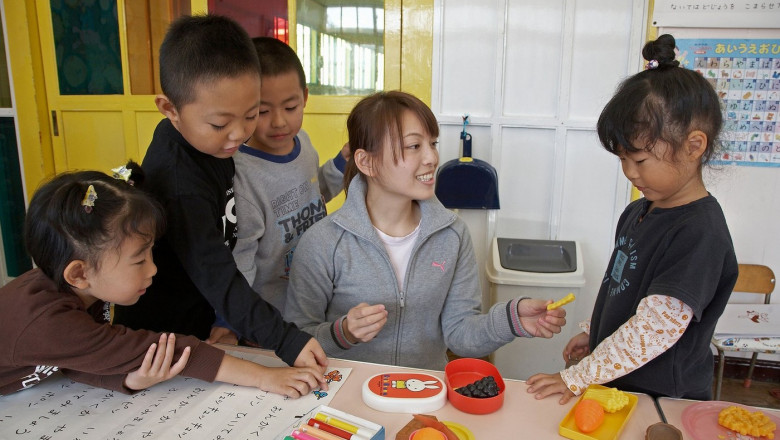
(545, 256)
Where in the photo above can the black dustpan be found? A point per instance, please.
(467, 183)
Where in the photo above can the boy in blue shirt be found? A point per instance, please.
(210, 78)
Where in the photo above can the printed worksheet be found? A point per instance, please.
(181, 408)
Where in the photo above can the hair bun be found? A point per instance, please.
(137, 174)
(662, 51)
(130, 173)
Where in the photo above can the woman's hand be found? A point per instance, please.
(364, 322)
(537, 320)
(156, 366)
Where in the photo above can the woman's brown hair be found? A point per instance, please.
(377, 119)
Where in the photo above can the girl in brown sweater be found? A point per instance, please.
(91, 237)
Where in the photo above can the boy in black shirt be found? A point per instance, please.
(210, 78)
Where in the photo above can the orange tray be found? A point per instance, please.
(609, 430)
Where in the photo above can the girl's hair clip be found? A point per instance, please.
(89, 199)
(652, 64)
(123, 173)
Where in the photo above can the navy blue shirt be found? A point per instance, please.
(683, 252)
(196, 273)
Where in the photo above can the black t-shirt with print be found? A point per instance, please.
(683, 252)
(196, 273)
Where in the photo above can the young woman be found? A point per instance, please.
(391, 277)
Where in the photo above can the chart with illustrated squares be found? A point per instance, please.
(746, 76)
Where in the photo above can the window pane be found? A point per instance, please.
(86, 42)
(341, 45)
(266, 18)
(12, 209)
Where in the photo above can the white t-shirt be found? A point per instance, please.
(400, 250)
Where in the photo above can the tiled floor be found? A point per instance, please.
(759, 394)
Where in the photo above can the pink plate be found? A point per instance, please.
(700, 421)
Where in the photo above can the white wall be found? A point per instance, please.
(533, 76)
(750, 196)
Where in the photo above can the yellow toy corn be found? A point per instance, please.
(755, 424)
(612, 399)
(565, 300)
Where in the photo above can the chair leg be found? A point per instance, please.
(749, 379)
(719, 379)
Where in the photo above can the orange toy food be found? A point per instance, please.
(428, 433)
(588, 415)
(432, 422)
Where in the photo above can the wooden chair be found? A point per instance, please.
(753, 278)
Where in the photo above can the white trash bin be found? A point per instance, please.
(546, 269)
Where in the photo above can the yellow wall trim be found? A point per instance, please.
(29, 92)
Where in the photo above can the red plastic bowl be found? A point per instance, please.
(462, 372)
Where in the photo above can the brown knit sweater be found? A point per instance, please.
(44, 330)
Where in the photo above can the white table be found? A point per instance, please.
(521, 416)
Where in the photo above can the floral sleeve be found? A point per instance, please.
(657, 325)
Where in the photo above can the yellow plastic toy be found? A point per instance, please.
(755, 424)
(565, 300)
(611, 399)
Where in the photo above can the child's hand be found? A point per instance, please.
(546, 384)
(537, 320)
(288, 381)
(313, 356)
(292, 382)
(156, 366)
(577, 348)
(345, 153)
(363, 322)
(222, 335)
